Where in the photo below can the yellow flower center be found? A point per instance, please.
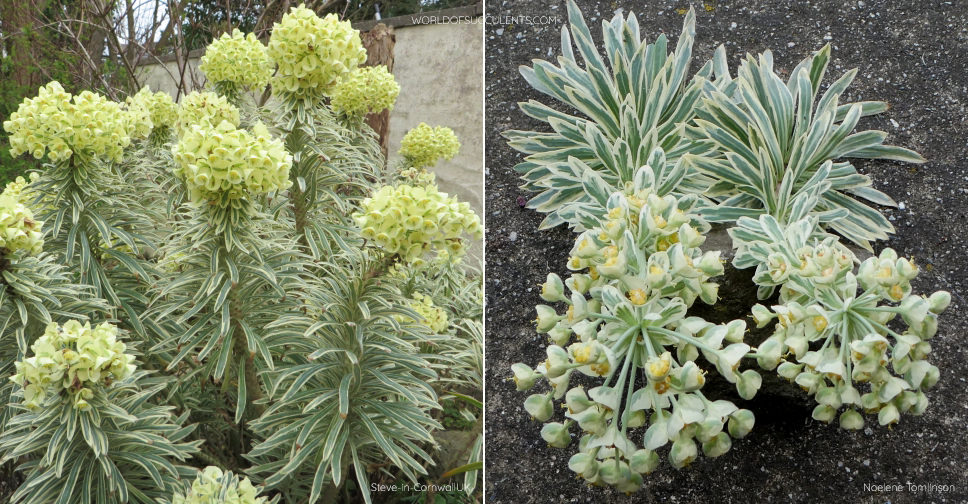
(637, 296)
(896, 292)
(820, 323)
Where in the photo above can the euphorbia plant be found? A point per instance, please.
(222, 234)
(775, 147)
(823, 299)
(79, 194)
(86, 431)
(729, 150)
(635, 100)
(35, 289)
(625, 318)
(227, 264)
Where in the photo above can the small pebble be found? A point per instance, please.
(513, 236)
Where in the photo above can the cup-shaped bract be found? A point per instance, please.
(312, 53)
(212, 486)
(423, 145)
(60, 125)
(203, 107)
(237, 59)
(413, 220)
(74, 358)
(223, 162)
(365, 90)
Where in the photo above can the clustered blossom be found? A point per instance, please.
(423, 146)
(61, 125)
(313, 53)
(649, 242)
(417, 176)
(151, 111)
(212, 486)
(19, 231)
(225, 162)
(18, 187)
(821, 303)
(365, 90)
(431, 315)
(202, 107)
(414, 220)
(74, 358)
(626, 317)
(237, 59)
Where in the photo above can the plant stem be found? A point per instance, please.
(253, 389)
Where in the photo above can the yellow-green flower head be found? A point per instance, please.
(212, 486)
(313, 53)
(138, 120)
(365, 90)
(203, 107)
(17, 187)
(418, 176)
(18, 229)
(424, 146)
(60, 125)
(73, 358)
(237, 59)
(159, 108)
(433, 317)
(413, 220)
(223, 161)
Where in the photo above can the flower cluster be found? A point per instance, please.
(18, 186)
(824, 263)
(417, 176)
(18, 229)
(856, 344)
(212, 486)
(61, 125)
(73, 358)
(423, 146)
(626, 317)
(202, 107)
(365, 90)
(430, 315)
(154, 111)
(649, 245)
(225, 162)
(237, 59)
(313, 53)
(413, 220)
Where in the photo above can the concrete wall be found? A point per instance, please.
(439, 68)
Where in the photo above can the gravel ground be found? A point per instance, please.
(912, 54)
